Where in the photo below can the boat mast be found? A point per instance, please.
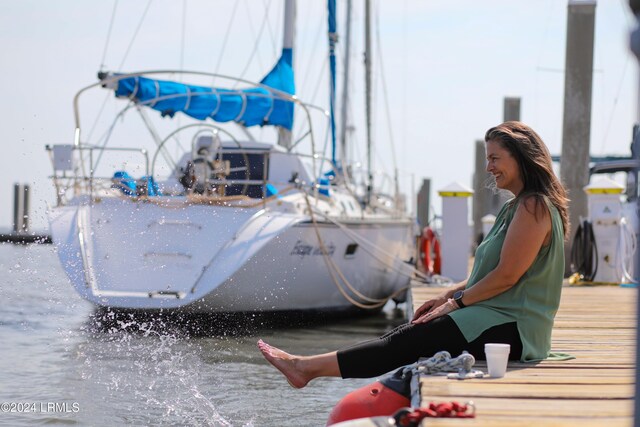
(345, 90)
(367, 65)
(284, 135)
(333, 39)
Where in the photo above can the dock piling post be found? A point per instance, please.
(576, 127)
(20, 208)
(456, 233)
(424, 203)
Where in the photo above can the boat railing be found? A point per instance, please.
(84, 179)
(81, 181)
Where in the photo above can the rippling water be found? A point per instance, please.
(71, 365)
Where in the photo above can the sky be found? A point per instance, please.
(441, 72)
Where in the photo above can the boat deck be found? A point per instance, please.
(597, 325)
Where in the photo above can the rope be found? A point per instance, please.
(361, 240)
(333, 269)
(413, 417)
(442, 362)
(374, 303)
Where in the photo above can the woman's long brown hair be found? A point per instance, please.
(534, 160)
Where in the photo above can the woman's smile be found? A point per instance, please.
(503, 167)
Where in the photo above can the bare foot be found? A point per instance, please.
(285, 363)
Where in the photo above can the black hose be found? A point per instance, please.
(584, 252)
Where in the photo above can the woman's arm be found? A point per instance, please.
(528, 231)
(439, 300)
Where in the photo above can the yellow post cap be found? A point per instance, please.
(604, 186)
(455, 189)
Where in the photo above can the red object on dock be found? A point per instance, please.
(369, 401)
(430, 255)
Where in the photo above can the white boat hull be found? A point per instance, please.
(215, 259)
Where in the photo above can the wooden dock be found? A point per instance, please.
(597, 325)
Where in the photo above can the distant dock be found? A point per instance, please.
(594, 389)
(23, 239)
(21, 233)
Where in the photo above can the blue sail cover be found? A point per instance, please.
(281, 78)
(249, 107)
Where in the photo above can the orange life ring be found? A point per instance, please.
(430, 255)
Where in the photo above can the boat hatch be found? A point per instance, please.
(167, 294)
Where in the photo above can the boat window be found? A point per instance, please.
(239, 172)
(351, 250)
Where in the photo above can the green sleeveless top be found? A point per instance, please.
(532, 302)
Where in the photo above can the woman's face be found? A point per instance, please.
(504, 168)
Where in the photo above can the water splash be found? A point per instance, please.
(157, 368)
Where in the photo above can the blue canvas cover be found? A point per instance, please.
(250, 107)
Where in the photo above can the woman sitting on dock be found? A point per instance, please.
(511, 295)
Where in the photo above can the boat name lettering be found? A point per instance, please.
(303, 249)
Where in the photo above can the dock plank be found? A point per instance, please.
(594, 389)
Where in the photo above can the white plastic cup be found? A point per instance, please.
(497, 358)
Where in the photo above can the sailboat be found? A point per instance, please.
(232, 224)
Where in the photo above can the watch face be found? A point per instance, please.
(458, 295)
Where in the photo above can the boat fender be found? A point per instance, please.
(372, 400)
(381, 398)
(368, 422)
(430, 254)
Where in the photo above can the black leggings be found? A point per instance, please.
(407, 343)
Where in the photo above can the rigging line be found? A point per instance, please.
(270, 31)
(319, 80)
(302, 36)
(314, 49)
(615, 103)
(384, 90)
(155, 136)
(307, 55)
(182, 35)
(106, 45)
(135, 34)
(403, 124)
(226, 39)
(255, 52)
(106, 136)
(545, 34)
(95, 122)
(315, 91)
(181, 66)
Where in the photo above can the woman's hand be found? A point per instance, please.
(430, 305)
(442, 309)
